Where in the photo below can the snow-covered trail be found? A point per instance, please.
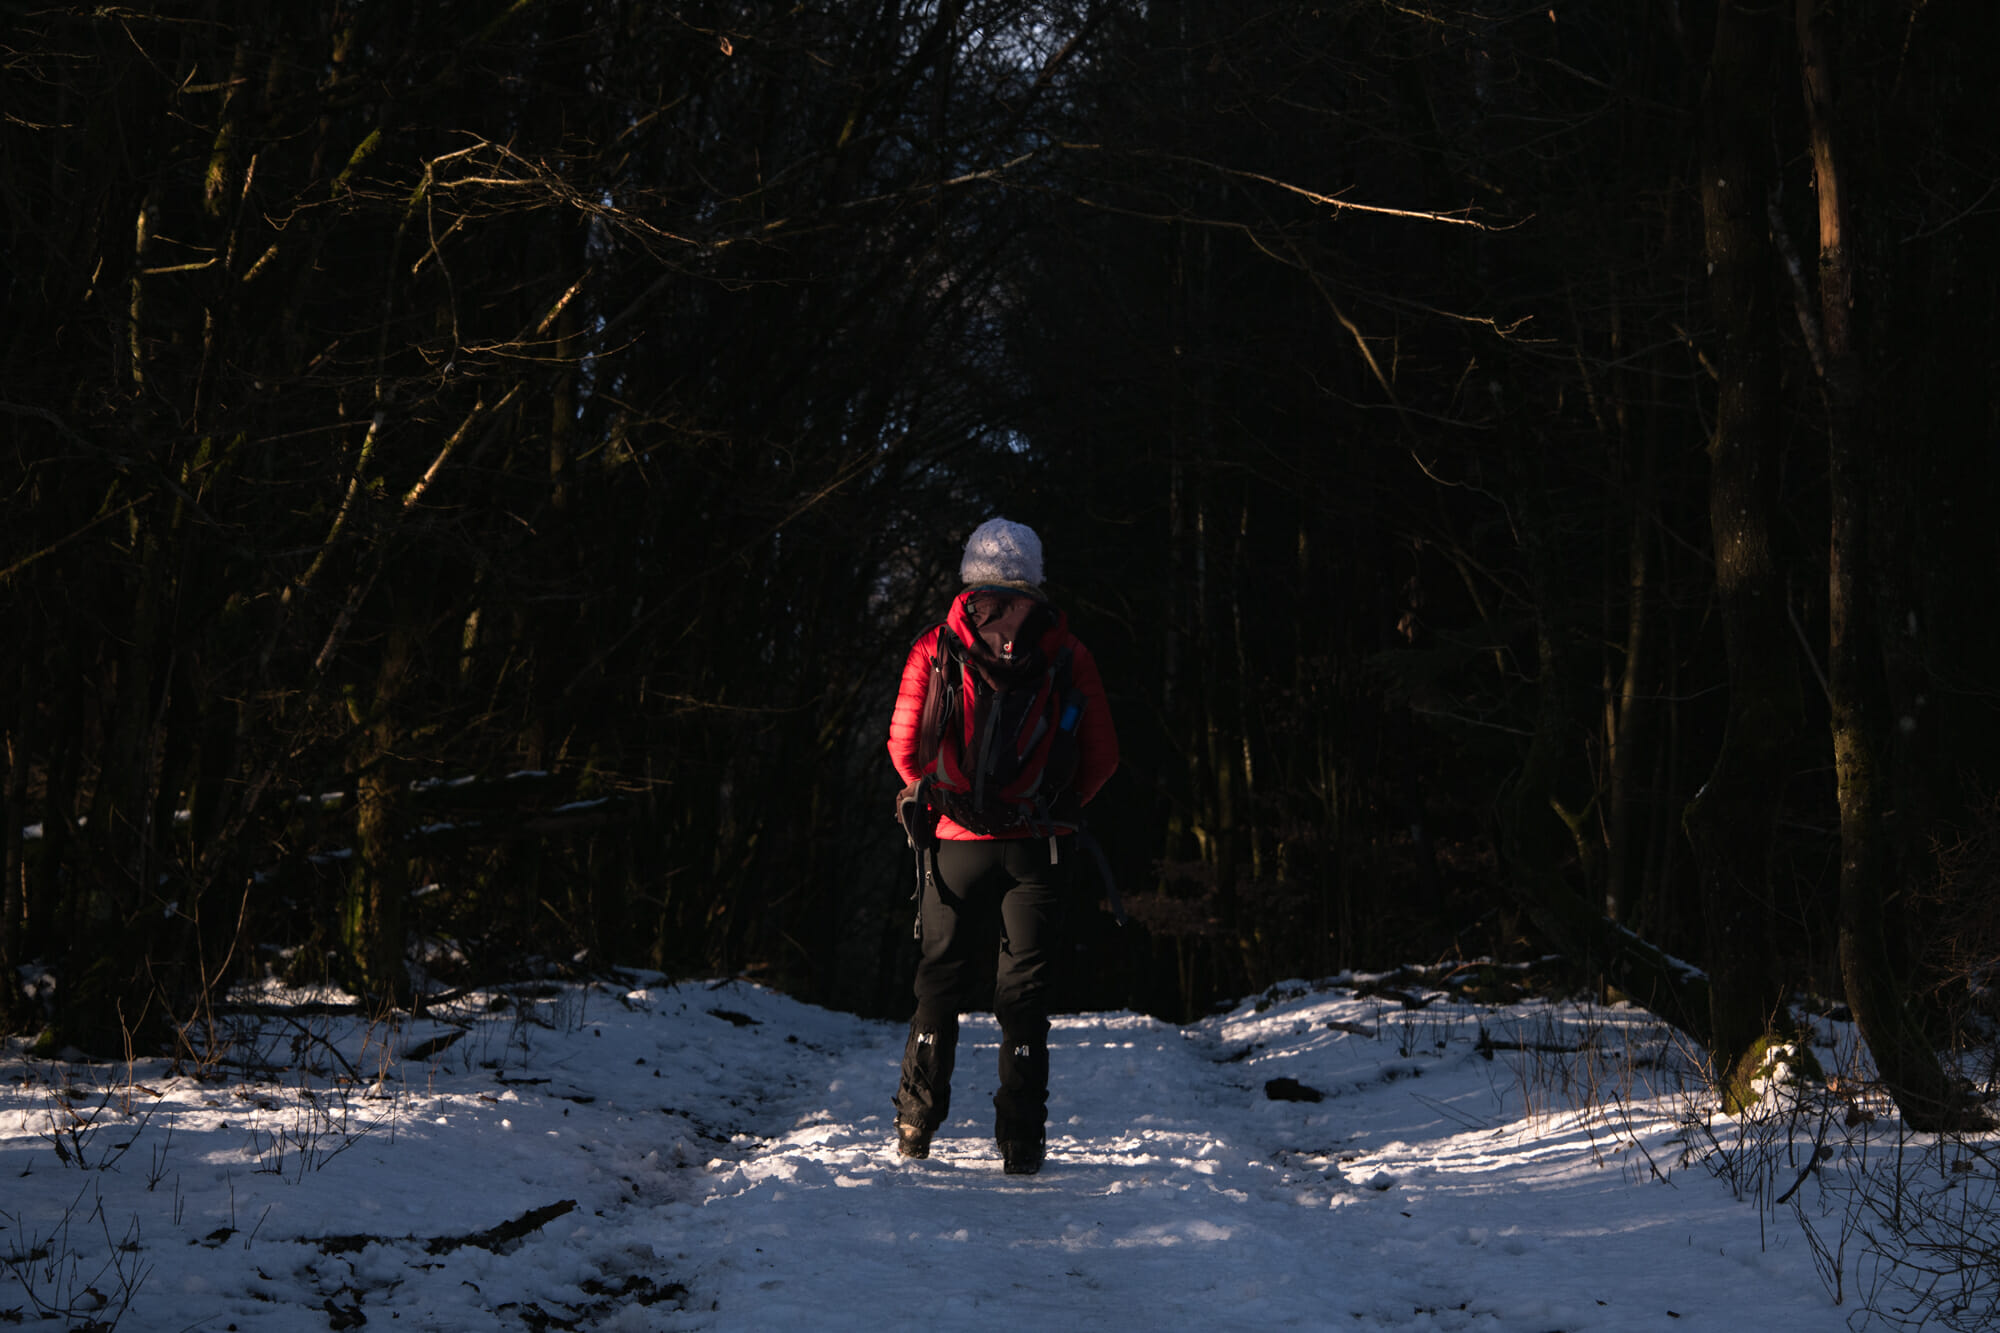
(720, 1157)
(1178, 1194)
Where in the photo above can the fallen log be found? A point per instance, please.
(493, 1238)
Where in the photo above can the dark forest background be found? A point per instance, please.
(473, 470)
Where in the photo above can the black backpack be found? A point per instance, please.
(1008, 766)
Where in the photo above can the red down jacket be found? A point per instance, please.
(1097, 739)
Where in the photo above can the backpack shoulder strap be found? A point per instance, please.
(1066, 705)
(941, 697)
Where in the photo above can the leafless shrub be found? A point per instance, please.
(301, 1132)
(56, 1276)
(77, 1114)
(1905, 1225)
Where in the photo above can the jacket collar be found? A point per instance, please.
(960, 623)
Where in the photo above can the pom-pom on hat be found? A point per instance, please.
(1000, 551)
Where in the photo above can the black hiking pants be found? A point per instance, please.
(1013, 879)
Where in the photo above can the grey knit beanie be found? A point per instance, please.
(1003, 552)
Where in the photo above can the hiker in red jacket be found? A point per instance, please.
(1001, 734)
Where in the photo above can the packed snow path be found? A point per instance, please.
(720, 1157)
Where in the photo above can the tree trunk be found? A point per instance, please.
(13, 865)
(1534, 842)
(1623, 716)
(1731, 820)
(372, 919)
(110, 981)
(1857, 686)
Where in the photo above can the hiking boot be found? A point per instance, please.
(1021, 1157)
(912, 1141)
